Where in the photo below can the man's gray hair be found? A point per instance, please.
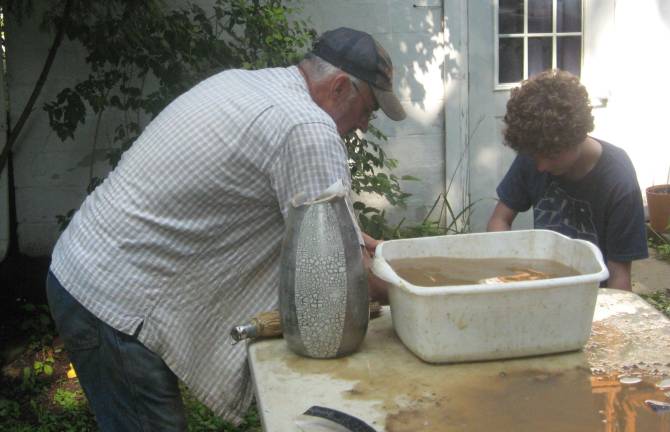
(319, 69)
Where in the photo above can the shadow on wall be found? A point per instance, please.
(427, 59)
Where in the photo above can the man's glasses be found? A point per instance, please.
(370, 108)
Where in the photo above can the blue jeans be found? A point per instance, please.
(128, 387)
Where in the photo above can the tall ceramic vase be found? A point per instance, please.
(323, 295)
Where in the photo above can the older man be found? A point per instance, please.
(182, 240)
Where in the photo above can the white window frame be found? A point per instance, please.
(525, 35)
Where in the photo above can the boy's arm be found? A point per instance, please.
(619, 275)
(502, 218)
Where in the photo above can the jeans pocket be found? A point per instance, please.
(77, 327)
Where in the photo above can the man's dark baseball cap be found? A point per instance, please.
(358, 54)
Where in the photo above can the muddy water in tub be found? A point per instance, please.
(443, 271)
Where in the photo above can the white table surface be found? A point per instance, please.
(385, 385)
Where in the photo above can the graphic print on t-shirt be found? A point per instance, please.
(558, 211)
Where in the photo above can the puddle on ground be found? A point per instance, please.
(557, 393)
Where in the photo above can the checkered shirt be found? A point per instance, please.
(184, 236)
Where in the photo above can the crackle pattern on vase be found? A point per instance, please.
(320, 284)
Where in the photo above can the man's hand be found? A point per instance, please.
(370, 244)
(377, 288)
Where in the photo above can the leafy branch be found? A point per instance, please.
(39, 84)
(142, 56)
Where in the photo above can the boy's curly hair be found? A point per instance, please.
(547, 114)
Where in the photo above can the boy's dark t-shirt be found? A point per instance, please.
(604, 207)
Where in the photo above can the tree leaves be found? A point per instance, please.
(66, 112)
(130, 44)
(128, 41)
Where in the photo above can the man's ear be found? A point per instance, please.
(340, 86)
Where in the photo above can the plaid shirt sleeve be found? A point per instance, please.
(312, 158)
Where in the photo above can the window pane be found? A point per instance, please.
(510, 53)
(569, 16)
(539, 16)
(539, 55)
(510, 16)
(569, 53)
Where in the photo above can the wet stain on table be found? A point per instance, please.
(579, 391)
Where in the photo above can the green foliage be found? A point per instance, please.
(39, 400)
(369, 166)
(17, 8)
(442, 219)
(367, 158)
(663, 250)
(447, 220)
(9, 410)
(78, 418)
(182, 46)
(69, 400)
(37, 324)
(201, 419)
(42, 366)
(660, 300)
(659, 242)
(142, 56)
(43, 417)
(130, 44)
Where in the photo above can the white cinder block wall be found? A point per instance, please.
(51, 175)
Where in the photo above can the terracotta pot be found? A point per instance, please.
(658, 203)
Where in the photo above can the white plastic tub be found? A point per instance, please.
(494, 321)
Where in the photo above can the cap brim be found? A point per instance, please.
(389, 103)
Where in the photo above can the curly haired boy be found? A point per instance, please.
(577, 185)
